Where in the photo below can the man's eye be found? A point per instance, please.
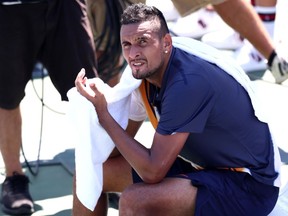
(125, 46)
(142, 42)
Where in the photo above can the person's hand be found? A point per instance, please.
(91, 93)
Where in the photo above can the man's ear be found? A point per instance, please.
(167, 42)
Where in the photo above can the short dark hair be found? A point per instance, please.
(140, 12)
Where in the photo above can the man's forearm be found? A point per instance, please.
(137, 155)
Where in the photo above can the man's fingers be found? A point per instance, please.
(94, 89)
(91, 91)
(80, 78)
(81, 73)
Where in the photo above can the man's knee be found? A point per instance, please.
(127, 202)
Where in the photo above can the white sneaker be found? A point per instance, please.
(197, 24)
(250, 60)
(227, 39)
(279, 69)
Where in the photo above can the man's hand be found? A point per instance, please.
(91, 93)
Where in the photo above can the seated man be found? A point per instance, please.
(212, 152)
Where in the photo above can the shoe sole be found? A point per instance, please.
(23, 210)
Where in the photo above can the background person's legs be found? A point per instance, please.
(10, 139)
(245, 14)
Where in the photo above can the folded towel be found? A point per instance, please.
(92, 143)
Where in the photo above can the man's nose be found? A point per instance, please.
(134, 52)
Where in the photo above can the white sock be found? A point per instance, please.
(267, 15)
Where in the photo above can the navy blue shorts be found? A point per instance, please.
(224, 192)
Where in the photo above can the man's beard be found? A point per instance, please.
(138, 75)
(148, 74)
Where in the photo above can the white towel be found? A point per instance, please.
(92, 143)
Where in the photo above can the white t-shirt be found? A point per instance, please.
(137, 108)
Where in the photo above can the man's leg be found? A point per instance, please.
(254, 31)
(79, 209)
(117, 176)
(10, 139)
(15, 196)
(172, 196)
(241, 16)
